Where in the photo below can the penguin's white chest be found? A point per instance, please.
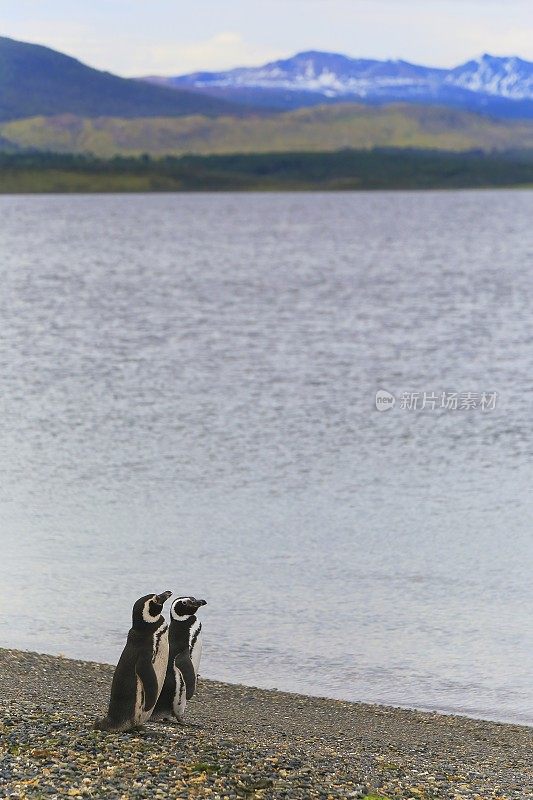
(159, 662)
(160, 655)
(195, 646)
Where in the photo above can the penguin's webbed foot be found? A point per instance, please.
(101, 724)
(108, 726)
(181, 721)
(162, 715)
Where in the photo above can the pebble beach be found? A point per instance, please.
(242, 742)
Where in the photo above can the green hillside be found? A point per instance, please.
(340, 170)
(37, 80)
(312, 129)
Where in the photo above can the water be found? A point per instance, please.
(187, 394)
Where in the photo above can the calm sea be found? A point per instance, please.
(187, 398)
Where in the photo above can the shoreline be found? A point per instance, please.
(112, 190)
(391, 706)
(244, 742)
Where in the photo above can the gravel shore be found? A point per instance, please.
(243, 743)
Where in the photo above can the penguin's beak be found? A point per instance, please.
(195, 604)
(162, 598)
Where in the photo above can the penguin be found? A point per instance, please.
(140, 672)
(185, 651)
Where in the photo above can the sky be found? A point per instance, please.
(171, 37)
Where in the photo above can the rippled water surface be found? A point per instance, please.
(187, 390)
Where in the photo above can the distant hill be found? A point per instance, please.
(36, 80)
(50, 101)
(320, 128)
(491, 85)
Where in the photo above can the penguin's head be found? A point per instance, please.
(185, 607)
(148, 608)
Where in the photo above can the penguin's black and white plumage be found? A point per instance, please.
(141, 669)
(185, 651)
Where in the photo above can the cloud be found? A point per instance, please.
(222, 51)
(141, 37)
(130, 54)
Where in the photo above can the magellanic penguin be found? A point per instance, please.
(185, 651)
(141, 669)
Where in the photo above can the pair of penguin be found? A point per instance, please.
(158, 669)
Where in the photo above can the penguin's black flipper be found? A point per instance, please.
(144, 670)
(184, 664)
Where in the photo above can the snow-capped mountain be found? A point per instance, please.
(503, 86)
(330, 74)
(500, 77)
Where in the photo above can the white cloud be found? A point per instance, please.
(222, 51)
(132, 55)
(140, 37)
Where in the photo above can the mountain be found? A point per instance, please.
(498, 86)
(328, 74)
(499, 77)
(49, 101)
(320, 128)
(36, 80)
